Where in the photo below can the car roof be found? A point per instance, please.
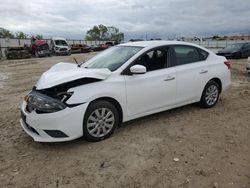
(58, 38)
(152, 44)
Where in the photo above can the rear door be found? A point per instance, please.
(191, 73)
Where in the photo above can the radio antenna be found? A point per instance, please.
(78, 65)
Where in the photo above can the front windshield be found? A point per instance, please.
(61, 43)
(234, 47)
(112, 58)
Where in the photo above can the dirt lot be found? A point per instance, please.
(212, 145)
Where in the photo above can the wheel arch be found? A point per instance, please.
(215, 79)
(114, 102)
(218, 81)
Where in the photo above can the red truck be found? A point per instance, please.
(40, 48)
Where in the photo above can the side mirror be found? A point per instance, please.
(138, 69)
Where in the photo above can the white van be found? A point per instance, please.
(60, 46)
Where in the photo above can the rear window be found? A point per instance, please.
(189, 54)
(203, 54)
(186, 54)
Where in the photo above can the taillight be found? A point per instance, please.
(228, 64)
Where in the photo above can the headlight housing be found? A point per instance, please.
(44, 103)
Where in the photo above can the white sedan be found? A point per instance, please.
(248, 65)
(122, 83)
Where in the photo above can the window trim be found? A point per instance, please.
(126, 71)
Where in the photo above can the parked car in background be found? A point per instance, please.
(80, 48)
(105, 46)
(85, 49)
(109, 43)
(75, 49)
(241, 50)
(40, 48)
(96, 48)
(100, 47)
(248, 65)
(60, 46)
(122, 83)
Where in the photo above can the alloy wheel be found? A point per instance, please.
(100, 122)
(212, 95)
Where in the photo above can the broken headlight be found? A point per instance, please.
(44, 103)
(64, 96)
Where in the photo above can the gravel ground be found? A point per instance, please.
(186, 147)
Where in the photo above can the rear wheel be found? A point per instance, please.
(100, 121)
(210, 94)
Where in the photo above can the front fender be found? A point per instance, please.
(90, 92)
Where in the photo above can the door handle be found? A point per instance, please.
(169, 78)
(203, 72)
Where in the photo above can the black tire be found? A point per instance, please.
(36, 54)
(90, 110)
(204, 102)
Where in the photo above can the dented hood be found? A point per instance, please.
(66, 72)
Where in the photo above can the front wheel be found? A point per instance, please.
(100, 121)
(210, 94)
(36, 54)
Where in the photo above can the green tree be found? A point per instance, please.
(4, 33)
(39, 37)
(114, 34)
(93, 34)
(102, 33)
(21, 35)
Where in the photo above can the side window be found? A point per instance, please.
(154, 60)
(203, 55)
(186, 54)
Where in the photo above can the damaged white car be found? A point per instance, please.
(248, 65)
(122, 83)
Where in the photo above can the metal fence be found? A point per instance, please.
(218, 44)
(212, 44)
(6, 42)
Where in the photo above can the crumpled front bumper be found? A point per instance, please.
(39, 126)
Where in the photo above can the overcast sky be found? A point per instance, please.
(136, 18)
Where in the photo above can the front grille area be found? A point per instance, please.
(63, 49)
(56, 133)
(31, 129)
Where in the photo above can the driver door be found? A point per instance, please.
(156, 89)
